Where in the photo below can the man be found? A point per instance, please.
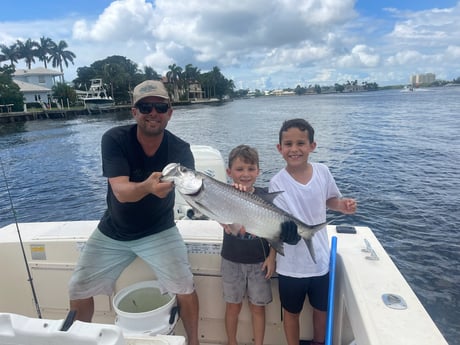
(139, 220)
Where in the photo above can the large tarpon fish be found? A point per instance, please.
(227, 205)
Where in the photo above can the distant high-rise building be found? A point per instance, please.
(426, 78)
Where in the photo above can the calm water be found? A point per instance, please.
(396, 153)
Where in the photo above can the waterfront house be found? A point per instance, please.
(36, 83)
(195, 91)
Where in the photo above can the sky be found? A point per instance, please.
(259, 44)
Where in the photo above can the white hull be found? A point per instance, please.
(95, 104)
(360, 314)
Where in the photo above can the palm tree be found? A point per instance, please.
(28, 51)
(191, 75)
(10, 53)
(151, 74)
(174, 76)
(44, 49)
(230, 85)
(205, 80)
(59, 55)
(215, 75)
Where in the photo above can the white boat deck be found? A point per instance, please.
(360, 313)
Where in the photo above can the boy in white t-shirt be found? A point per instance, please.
(308, 190)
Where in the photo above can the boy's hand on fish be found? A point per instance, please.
(289, 233)
(241, 187)
(234, 229)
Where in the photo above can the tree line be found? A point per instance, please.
(120, 75)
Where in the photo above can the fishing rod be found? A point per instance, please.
(37, 306)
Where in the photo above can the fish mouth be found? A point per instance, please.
(170, 171)
(184, 179)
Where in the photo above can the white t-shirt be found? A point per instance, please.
(308, 204)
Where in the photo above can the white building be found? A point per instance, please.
(36, 83)
(426, 78)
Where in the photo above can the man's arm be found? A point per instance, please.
(127, 191)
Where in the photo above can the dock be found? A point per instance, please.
(22, 116)
(54, 113)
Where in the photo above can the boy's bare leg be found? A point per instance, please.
(319, 325)
(291, 327)
(232, 310)
(258, 323)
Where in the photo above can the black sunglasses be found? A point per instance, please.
(146, 108)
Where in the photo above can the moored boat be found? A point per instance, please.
(96, 98)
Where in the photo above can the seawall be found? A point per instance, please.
(56, 113)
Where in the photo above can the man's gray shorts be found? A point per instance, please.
(103, 260)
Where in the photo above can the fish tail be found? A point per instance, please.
(309, 244)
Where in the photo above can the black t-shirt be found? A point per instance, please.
(245, 249)
(122, 155)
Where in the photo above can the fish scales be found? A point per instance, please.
(227, 205)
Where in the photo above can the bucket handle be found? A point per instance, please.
(172, 316)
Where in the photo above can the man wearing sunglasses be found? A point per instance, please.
(139, 219)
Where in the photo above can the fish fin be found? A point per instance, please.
(307, 231)
(277, 245)
(309, 244)
(316, 227)
(210, 214)
(269, 197)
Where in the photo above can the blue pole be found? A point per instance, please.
(331, 296)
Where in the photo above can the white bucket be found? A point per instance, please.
(142, 308)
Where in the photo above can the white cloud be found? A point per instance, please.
(453, 52)
(360, 56)
(404, 58)
(427, 28)
(260, 42)
(122, 20)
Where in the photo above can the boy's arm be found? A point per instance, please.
(269, 264)
(343, 205)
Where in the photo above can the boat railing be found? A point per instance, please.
(331, 296)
